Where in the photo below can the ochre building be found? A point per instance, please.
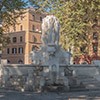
(24, 37)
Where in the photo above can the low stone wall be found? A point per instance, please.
(20, 76)
(17, 76)
(19, 69)
(78, 70)
(86, 70)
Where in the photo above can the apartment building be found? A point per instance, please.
(25, 36)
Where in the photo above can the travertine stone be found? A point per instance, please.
(51, 54)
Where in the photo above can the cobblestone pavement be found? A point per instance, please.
(15, 95)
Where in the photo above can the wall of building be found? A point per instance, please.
(29, 27)
(15, 50)
(34, 34)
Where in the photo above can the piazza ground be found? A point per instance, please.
(76, 95)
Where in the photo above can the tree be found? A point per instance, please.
(43, 5)
(9, 11)
(76, 18)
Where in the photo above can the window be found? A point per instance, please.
(8, 50)
(95, 48)
(14, 50)
(34, 39)
(33, 17)
(21, 38)
(95, 35)
(21, 17)
(40, 18)
(33, 28)
(21, 27)
(37, 28)
(14, 39)
(20, 51)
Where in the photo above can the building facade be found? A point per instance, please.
(25, 36)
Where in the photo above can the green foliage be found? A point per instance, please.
(76, 19)
(43, 5)
(9, 11)
(4, 39)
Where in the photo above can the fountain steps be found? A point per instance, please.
(90, 82)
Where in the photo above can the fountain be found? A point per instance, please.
(50, 68)
(50, 52)
(51, 56)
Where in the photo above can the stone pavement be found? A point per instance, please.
(82, 95)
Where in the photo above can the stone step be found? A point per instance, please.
(78, 89)
(90, 83)
(87, 79)
(92, 87)
(93, 80)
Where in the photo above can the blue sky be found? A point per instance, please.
(26, 1)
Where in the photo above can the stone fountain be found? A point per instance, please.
(50, 64)
(50, 55)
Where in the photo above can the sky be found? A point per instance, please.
(26, 1)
